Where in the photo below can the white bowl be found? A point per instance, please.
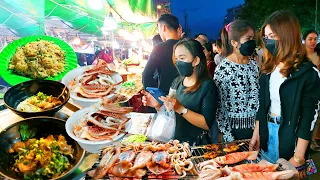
(90, 146)
(85, 102)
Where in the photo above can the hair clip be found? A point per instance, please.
(227, 27)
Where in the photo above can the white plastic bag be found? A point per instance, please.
(163, 128)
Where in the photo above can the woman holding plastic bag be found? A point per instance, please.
(193, 96)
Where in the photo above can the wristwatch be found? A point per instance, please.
(183, 111)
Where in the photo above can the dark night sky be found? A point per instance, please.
(204, 16)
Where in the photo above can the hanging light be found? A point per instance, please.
(76, 40)
(159, 6)
(109, 23)
(116, 45)
(95, 4)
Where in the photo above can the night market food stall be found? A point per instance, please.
(65, 121)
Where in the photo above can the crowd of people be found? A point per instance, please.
(262, 88)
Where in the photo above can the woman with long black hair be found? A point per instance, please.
(196, 95)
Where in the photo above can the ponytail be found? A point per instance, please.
(226, 48)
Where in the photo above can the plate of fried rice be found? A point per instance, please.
(36, 57)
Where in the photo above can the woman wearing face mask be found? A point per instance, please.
(289, 93)
(237, 80)
(196, 95)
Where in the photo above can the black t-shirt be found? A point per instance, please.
(160, 62)
(202, 101)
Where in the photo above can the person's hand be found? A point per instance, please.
(302, 173)
(180, 33)
(172, 104)
(254, 144)
(149, 100)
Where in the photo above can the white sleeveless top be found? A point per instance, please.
(276, 80)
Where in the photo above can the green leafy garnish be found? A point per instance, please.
(129, 84)
(26, 133)
(136, 138)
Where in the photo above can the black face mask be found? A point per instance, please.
(247, 48)
(271, 45)
(185, 69)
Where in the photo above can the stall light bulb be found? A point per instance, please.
(110, 23)
(76, 40)
(95, 4)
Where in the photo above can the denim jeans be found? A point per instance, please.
(273, 141)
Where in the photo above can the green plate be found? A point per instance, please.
(7, 53)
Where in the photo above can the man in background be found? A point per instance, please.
(202, 38)
(160, 60)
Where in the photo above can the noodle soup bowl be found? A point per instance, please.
(20, 92)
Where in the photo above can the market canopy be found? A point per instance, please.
(28, 17)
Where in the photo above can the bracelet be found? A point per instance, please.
(296, 159)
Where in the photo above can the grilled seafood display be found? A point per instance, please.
(102, 122)
(96, 82)
(234, 158)
(212, 147)
(135, 159)
(263, 170)
(232, 147)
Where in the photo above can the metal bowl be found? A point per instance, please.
(22, 91)
(45, 126)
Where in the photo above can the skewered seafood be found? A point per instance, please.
(102, 122)
(234, 158)
(124, 164)
(212, 147)
(232, 147)
(159, 163)
(106, 163)
(210, 155)
(141, 160)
